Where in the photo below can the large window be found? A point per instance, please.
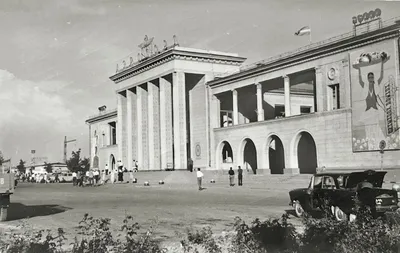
(113, 133)
(279, 111)
(226, 118)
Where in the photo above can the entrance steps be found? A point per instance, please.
(259, 181)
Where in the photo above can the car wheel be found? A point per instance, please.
(340, 215)
(298, 209)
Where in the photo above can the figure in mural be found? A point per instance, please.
(374, 100)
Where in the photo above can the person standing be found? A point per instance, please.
(91, 175)
(96, 175)
(200, 176)
(231, 177)
(103, 176)
(106, 169)
(74, 178)
(240, 176)
(131, 172)
(190, 164)
(120, 175)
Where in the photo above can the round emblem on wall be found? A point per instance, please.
(198, 150)
(331, 73)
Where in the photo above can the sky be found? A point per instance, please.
(56, 56)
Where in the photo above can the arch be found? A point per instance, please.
(248, 155)
(304, 153)
(275, 154)
(111, 163)
(224, 154)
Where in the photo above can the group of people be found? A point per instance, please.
(231, 174)
(113, 175)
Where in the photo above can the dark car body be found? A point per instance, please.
(342, 189)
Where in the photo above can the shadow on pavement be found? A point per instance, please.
(18, 211)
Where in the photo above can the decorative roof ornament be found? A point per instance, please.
(165, 44)
(175, 40)
(146, 47)
(130, 61)
(116, 71)
(124, 63)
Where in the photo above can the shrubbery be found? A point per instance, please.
(365, 235)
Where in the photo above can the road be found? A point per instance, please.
(50, 206)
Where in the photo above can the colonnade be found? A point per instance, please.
(151, 127)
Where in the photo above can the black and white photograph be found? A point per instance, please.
(214, 126)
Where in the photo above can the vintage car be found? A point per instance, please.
(340, 191)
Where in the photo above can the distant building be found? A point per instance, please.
(332, 104)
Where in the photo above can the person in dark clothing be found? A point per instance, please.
(190, 164)
(240, 176)
(231, 177)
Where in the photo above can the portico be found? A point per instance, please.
(162, 116)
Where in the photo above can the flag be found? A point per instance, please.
(303, 31)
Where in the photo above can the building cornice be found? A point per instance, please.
(176, 53)
(309, 55)
(101, 117)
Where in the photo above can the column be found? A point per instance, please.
(179, 112)
(235, 107)
(166, 141)
(139, 144)
(286, 83)
(321, 96)
(119, 126)
(132, 126)
(154, 125)
(129, 128)
(142, 112)
(344, 86)
(260, 110)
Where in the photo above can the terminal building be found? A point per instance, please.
(331, 104)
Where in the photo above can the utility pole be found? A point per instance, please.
(65, 147)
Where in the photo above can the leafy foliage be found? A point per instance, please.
(21, 166)
(48, 167)
(76, 163)
(1, 158)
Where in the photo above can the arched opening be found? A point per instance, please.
(224, 156)
(276, 155)
(307, 154)
(112, 163)
(249, 156)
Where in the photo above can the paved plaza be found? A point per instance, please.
(175, 205)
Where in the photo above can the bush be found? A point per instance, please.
(366, 234)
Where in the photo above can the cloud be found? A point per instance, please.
(31, 112)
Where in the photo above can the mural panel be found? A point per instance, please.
(375, 97)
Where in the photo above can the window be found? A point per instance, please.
(113, 133)
(226, 118)
(334, 96)
(279, 111)
(305, 109)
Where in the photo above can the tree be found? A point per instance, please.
(1, 158)
(48, 167)
(21, 166)
(76, 163)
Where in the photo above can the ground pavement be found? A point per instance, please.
(176, 205)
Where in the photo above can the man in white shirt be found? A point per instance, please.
(199, 178)
(74, 176)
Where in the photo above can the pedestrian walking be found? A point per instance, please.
(240, 176)
(231, 177)
(96, 175)
(200, 176)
